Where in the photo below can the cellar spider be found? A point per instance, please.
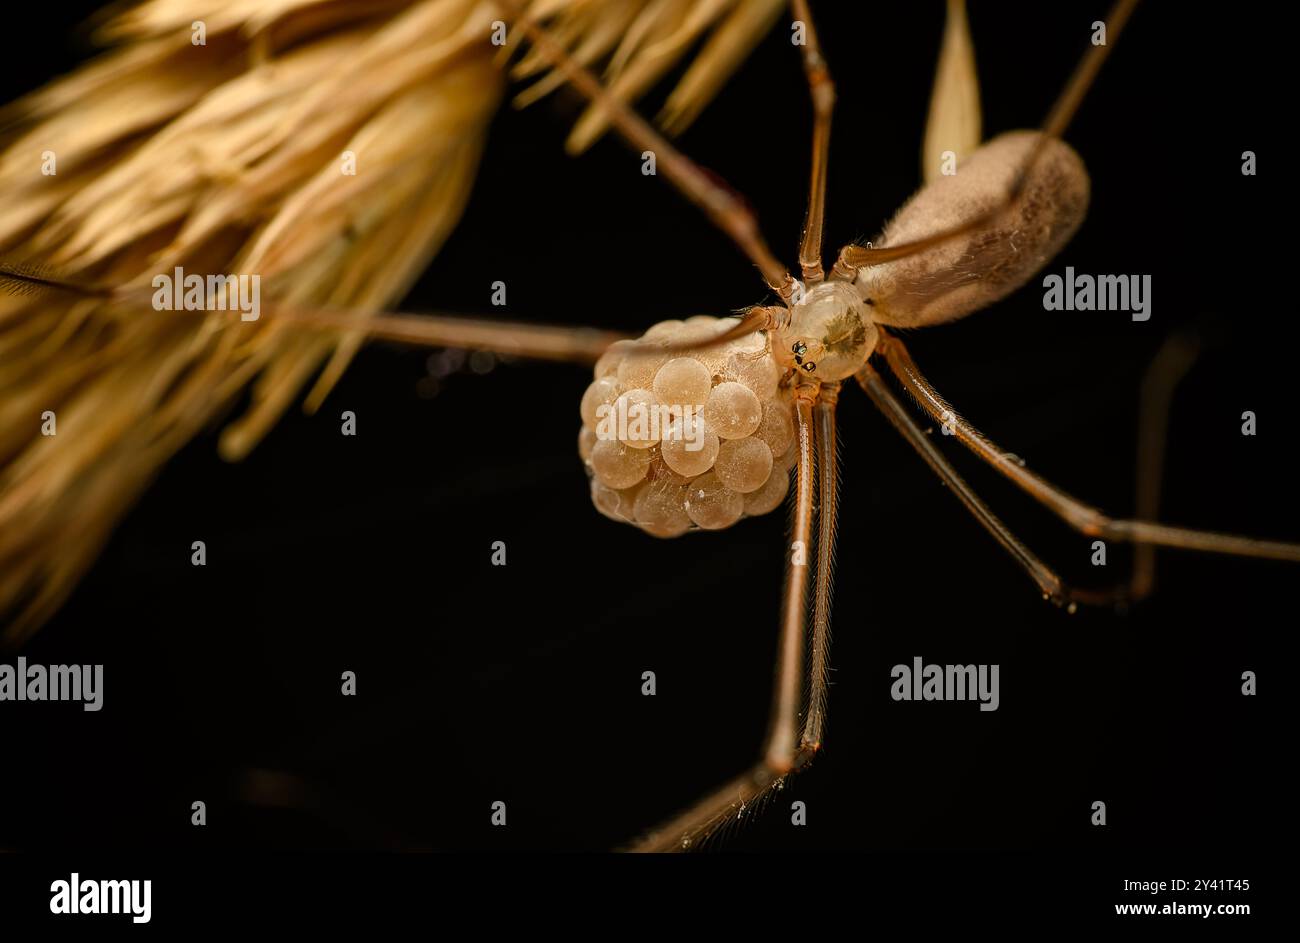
(796, 730)
(1027, 171)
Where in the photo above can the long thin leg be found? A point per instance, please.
(513, 338)
(787, 698)
(853, 258)
(1048, 582)
(1083, 518)
(822, 90)
(539, 341)
(1166, 371)
(784, 750)
(828, 491)
(719, 203)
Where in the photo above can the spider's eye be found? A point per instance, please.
(799, 348)
(810, 366)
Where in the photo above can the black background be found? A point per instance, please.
(522, 683)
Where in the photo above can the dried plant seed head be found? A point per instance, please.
(716, 415)
(236, 160)
(973, 271)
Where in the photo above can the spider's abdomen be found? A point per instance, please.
(679, 441)
(973, 271)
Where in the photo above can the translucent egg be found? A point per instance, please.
(711, 504)
(757, 371)
(616, 465)
(664, 330)
(612, 357)
(586, 442)
(601, 392)
(689, 447)
(702, 321)
(659, 510)
(661, 475)
(616, 505)
(743, 465)
(638, 369)
(701, 329)
(637, 417)
(732, 410)
(791, 457)
(769, 497)
(683, 381)
(777, 427)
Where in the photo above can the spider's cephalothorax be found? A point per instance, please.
(683, 440)
(829, 334)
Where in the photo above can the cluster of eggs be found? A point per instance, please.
(680, 440)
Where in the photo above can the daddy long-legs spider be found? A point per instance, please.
(573, 584)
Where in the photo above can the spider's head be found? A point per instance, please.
(829, 335)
